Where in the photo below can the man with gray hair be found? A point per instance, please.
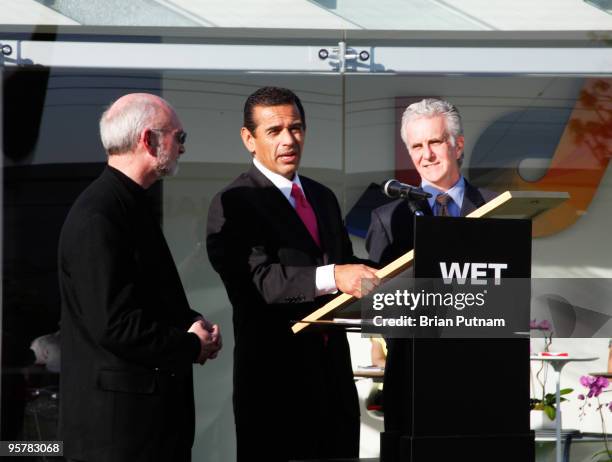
(433, 134)
(129, 337)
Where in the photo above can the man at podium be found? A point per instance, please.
(433, 134)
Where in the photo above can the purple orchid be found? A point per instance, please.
(595, 384)
(544, 324)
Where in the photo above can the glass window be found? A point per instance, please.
(535, 111)
(417, 15)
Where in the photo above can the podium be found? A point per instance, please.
(461, 398)
(466, 397)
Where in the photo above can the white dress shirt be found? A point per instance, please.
(325, 282)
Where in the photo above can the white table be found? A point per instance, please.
(557, 363)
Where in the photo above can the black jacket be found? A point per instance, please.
(391, 232)
(295, 392)
(126, 376)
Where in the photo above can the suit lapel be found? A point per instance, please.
(472, 199)
(275, 204)
(423, 206)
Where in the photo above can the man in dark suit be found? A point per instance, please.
(128, 335)
(433, 134)
(279, 244)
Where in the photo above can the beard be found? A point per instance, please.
(166, 165)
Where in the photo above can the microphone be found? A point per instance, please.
(395, 189)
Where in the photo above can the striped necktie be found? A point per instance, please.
(442, 201)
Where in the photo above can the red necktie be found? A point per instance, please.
(305, 212)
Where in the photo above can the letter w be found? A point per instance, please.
(454, 272)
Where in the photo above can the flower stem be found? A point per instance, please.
(603, 428)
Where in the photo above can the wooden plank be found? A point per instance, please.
(342, 300)
(520, 204)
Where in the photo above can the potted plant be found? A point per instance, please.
(596, 387)
(547, 405)
(543, 408)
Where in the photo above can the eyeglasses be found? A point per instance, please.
(180, 136)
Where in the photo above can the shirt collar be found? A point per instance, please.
(282, 183)
(456, 192)
(133, 187)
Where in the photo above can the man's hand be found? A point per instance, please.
(355, 280)
(210, 339)
(215, 332)
(211, 328)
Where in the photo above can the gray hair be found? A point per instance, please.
(431, 107)
(120, 129)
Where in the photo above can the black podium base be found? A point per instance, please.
(475, 448)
